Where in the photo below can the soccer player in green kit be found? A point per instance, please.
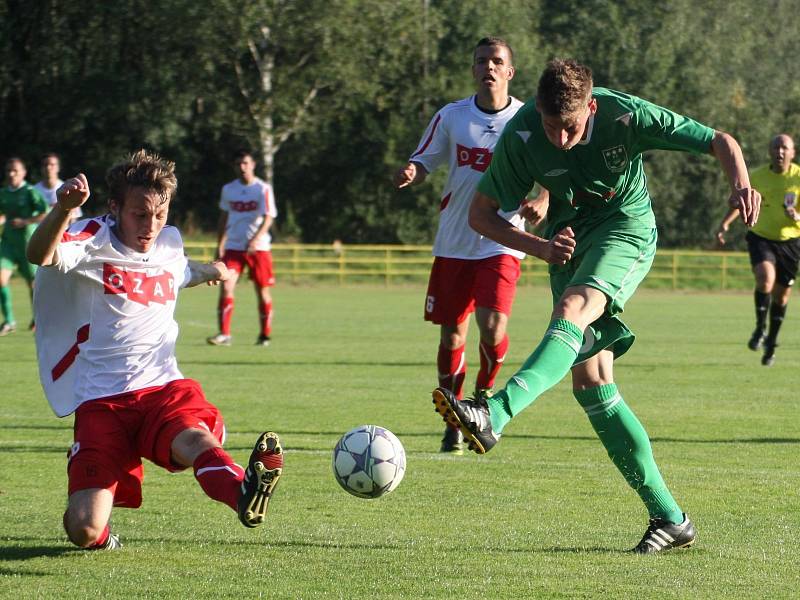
(23, 207)
(585, 145)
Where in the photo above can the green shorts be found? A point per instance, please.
(12, 255)
(613, 257)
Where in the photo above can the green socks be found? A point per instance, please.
(5, 304)
(548, 365)
(629, 448)
(617, 427)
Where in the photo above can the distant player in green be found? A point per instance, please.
(585, 145)
(773, 242)
(23, 207)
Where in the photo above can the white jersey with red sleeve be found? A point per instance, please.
(464, 137)
(104, 315)
(247, 205)
(50, 195)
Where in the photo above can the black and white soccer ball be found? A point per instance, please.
(369, 461)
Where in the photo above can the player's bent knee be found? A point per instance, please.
(191, 443)
(83, 531)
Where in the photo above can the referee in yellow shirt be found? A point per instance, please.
(773, 242)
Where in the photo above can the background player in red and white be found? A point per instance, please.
(470, 272)
(104, 304)
(248, 210)
(50, 182)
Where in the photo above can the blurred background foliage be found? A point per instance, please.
(333, 95)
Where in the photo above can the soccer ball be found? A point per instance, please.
(369, 461)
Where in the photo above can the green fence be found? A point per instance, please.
(388, 264)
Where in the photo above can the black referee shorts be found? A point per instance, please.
(784, 255)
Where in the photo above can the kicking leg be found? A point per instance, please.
(482, 422)
(247, 491)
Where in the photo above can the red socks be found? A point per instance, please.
(101, 541)
(452, 365)
(219, 476)
(265, 316)
(224, 314)
(492, 358)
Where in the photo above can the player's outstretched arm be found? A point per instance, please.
(484, 219)
(743, 197)
(211, 273)
(411, 173)
(43, 245)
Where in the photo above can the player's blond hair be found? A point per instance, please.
(565, 87)
(142, 169)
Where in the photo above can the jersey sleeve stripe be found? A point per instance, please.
(91, 228)
(430, 137)
(66, 361)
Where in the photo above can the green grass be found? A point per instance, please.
(544, 515)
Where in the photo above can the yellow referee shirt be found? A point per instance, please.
(778, 191)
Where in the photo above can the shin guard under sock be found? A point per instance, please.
(219, 476)
(629, 448)
(492, 358)
(548, 364)
(452, 366)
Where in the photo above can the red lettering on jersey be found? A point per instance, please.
(243, 206)
(138, 286)
(91, 228)
(477, 159)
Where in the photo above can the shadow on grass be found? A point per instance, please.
(29, 552)
(43, 426)
(260, 543)
(305, 363)
(580, 438)
(61, 449)
(673, 440)
(22, 573)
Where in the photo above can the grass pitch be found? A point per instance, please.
(544, 515)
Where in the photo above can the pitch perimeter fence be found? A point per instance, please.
(395, 264)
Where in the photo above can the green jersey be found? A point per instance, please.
(23, 203)
(601, 176)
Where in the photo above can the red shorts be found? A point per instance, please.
(458, 285)
(113, 434)
(259, 264)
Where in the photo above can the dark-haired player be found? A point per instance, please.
(585, 145)
(470, 273)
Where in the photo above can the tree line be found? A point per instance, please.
(333, 95)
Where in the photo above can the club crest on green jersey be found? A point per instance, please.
(616, 158)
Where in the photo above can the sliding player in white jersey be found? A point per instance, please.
(104, 303)
(247, 206)
(470, 273)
